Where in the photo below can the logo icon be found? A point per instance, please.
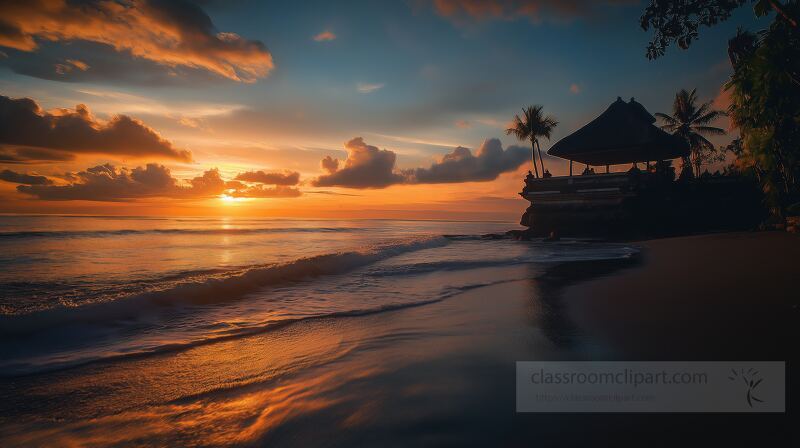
(751, 380)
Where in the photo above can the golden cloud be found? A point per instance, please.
(170, 34)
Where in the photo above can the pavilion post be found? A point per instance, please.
(608, 170)
(570, 168)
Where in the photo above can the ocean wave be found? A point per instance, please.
(207, 231)
(543, 252)
(445, 265)
(211, 289)
(16, 368)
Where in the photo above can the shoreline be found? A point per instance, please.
(442, 373)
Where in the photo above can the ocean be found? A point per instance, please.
(119, 331)
(77, 290)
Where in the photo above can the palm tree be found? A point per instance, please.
(532, 125)
(692, 123)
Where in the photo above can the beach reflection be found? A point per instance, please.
(550, 313)
(238, 419)
(326, 380)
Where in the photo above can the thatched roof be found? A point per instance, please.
(624, 133)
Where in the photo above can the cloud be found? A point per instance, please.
(366, 167)
(24, 124)
(33, 155)
(238, 189)
(533, 10)
(329, 164)
(368, 88)
(289, 178)
(109, 183)
(463, 124)
(80, 65)
(112, 184)
(369, 167)
(324, 36)
(575, 89)
(188, 113)
(209, 184)
(194, 123)
(260, 191)
(106, 66)
(461, 165)
(169, 33)
(27, 179)
(69, 65)
(332, 193)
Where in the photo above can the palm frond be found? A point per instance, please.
(708, 130)
(703, 142)
(710, 116)
(668, 119)
(683, 106)
(518, 128)
(532, 124)
(700, 111)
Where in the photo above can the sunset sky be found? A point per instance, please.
(312, 109)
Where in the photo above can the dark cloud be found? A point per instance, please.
(32, 155)
(113, 184)
(24, 124)
(104, 65)
(289, 178)
(109, 183)
(534, 10)
(170, 33)
(26, 179)
(462, 166)
(366, 167)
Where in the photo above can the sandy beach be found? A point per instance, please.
(713, 297)
(443, 373)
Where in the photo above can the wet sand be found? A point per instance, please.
(434, 374)
(710, 297)
(443, 373)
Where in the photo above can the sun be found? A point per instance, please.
(228, 199)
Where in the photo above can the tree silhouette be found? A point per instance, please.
(532, 125)
(692, 123)
(679, 21)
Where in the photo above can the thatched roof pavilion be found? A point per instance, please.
(624, 133)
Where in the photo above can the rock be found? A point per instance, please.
(519, 235)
